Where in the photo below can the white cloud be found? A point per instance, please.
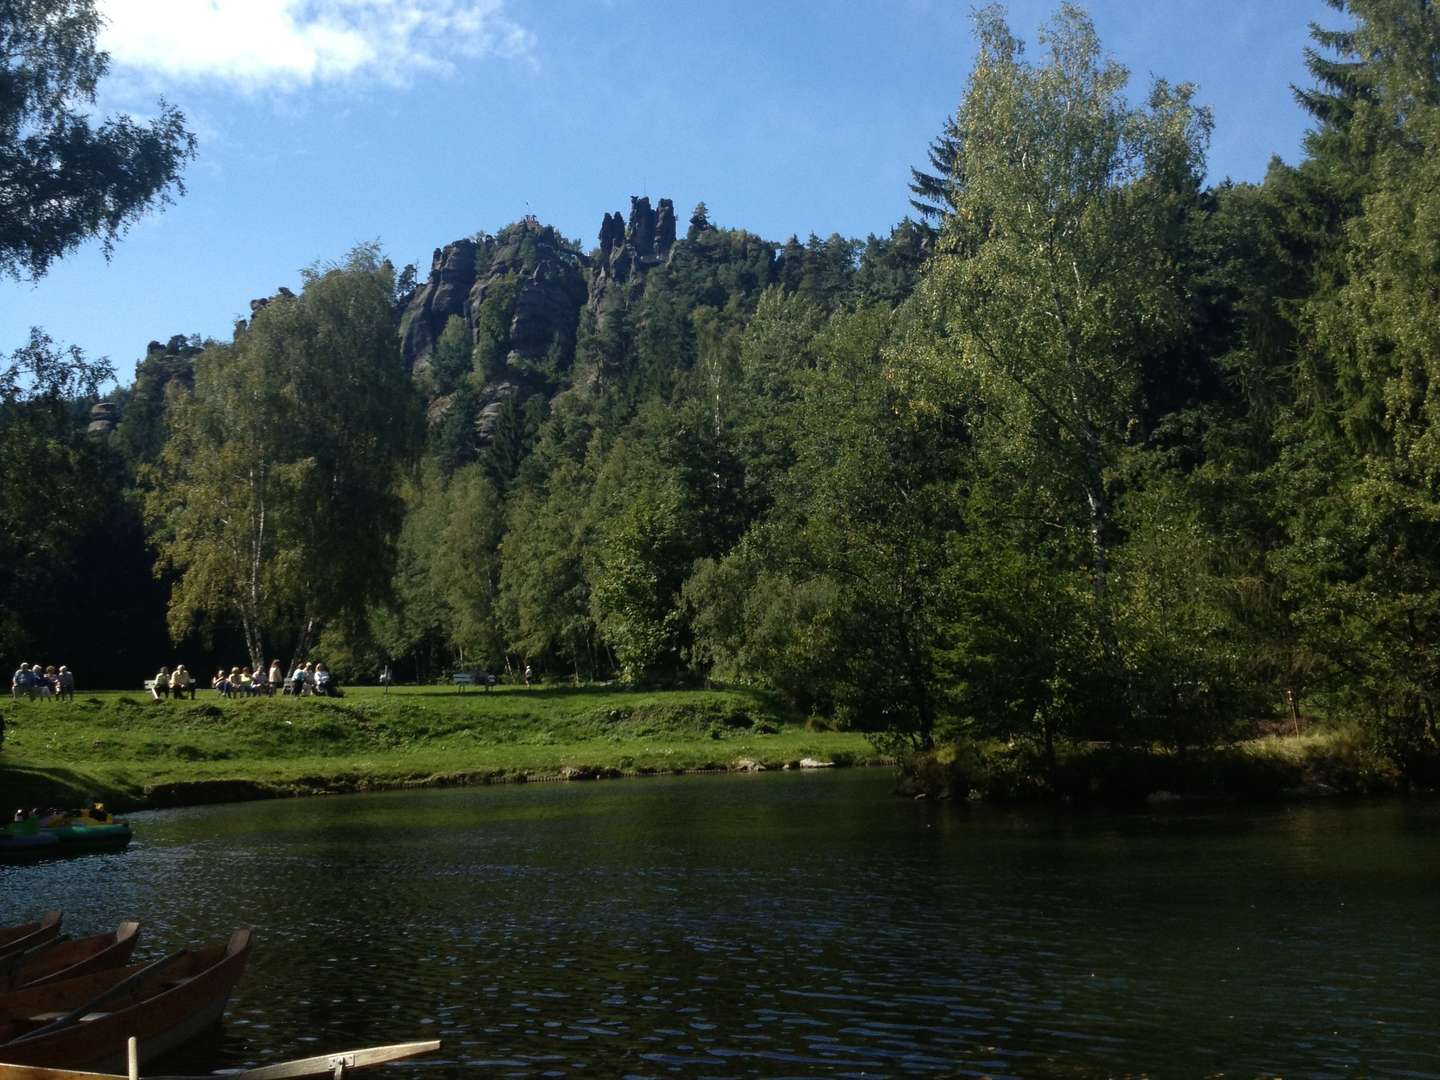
(296, 43)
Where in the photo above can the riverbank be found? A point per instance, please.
(1335, 761)
(135, 753)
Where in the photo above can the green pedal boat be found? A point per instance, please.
(67, 833)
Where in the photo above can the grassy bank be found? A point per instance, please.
(133, 751)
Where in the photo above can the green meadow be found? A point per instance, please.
(133, 751)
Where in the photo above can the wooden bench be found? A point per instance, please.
(462, 679)
(190, 690)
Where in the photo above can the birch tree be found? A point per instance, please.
(275, 501)
(1056, 284)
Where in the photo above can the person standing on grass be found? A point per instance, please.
(277, 677)
(527, 674)
(67, 684)
(21, 684)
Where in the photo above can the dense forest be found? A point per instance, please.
(1086, 449)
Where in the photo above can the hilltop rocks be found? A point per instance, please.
(550, 288)
(445, 293)
(519, 293)
(627, 251)
(102, 418)
(256, 306)
(642, 243)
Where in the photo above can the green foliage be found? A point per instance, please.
(450, 360)
(1362, 471)
(1055, 281)
(466, 567)
(53, 480)
(140, 433)
(1093, 462)
(644, 554)
(64, 180)
(1186, 670)
(275, 501)
(512, 434)
(492, 328)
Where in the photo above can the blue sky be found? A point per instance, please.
(323, 123)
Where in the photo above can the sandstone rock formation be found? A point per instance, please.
(102, 418)
(527, 278)
(445, 293)
(627, 251)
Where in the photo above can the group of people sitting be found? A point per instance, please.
(49, 683)
(306, 680)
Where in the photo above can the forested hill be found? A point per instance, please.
(508, 331)
(1090, 450)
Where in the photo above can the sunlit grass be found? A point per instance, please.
(122, 745)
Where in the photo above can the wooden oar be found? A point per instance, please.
(323, 1065)
(41, 1072)
(333, 1064)
(115, 993)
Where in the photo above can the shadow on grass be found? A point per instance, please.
(560, 691)
(27, 787)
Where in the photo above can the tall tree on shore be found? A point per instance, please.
(1056, 281)
(1363, 467)
(276, 501)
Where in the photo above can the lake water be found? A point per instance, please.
(792, 925)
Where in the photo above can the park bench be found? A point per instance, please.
(150, 689)
(462, 679)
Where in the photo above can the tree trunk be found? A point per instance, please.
(303, 643)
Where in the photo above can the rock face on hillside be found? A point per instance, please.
(549, 286)
(445, 293)
(102, 418)
(627, 250)
(519, 294)
(528, 261)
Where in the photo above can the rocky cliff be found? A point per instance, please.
(627, 251)
(520, 295)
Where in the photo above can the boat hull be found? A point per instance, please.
(186, 1001)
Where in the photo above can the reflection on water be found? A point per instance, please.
(793, 926)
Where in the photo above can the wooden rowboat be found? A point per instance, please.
(57, 959)
(338, 1064)
(27, 935)
(84, 1022)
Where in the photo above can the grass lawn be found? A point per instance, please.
(131, 750)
